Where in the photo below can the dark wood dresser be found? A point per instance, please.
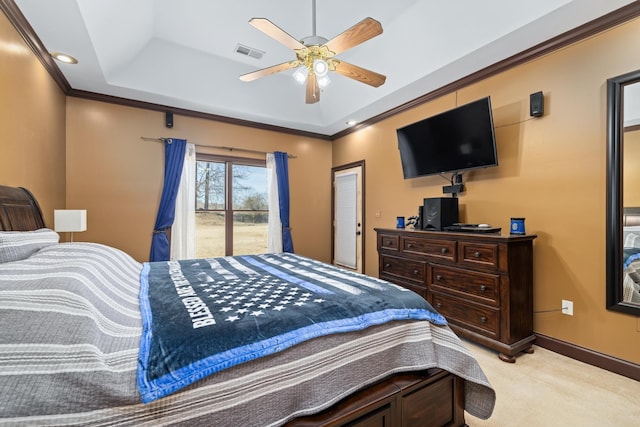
(481, 282)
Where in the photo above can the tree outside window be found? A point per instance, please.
(232, 208)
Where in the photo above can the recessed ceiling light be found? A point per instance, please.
(63, 57)
(351, 123)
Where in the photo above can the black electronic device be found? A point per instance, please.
(168, 119)
(473, 228)
(453, 141)
(439, 212)
(418, 224)
(536, 104)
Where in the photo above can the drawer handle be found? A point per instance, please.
(389, 243)
(477, 254)
(443, 250)
(483, 319)
(415, 272)
(439, 305)
(409, 245)
(483, 288)
(438, 277)
(387, 265)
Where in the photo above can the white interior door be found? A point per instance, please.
(347, 218)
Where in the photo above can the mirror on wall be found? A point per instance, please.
(623, 193)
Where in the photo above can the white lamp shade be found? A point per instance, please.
(320, 67)
(68, 220)
(300, 75)
(323, 81)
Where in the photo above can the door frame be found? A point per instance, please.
(334, 170)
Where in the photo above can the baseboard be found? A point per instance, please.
(610, 363)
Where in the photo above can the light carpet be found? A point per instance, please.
(548, 389)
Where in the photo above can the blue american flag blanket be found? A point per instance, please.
(202, 316)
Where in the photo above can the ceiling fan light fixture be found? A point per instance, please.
(323, 81)
(320, 67)
(300, 75)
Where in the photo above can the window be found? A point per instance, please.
(232, 209)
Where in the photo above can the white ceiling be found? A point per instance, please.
(182, 53)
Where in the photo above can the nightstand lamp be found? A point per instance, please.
(70, 220)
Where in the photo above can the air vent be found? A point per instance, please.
(249, 51)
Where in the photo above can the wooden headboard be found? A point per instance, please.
(19, 210)
(630, 216)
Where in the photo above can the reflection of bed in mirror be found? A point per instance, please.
(71, 324)
(631, 254)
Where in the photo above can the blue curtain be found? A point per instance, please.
(174, 150)
(282, 173)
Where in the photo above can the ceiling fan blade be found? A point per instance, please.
(269, 70)
(275, 32)
(359, 33)
(360, 74)
(313, 90)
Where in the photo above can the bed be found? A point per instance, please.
(74, 323)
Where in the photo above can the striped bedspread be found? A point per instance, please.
(70, 330)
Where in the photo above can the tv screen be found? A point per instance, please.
(453, 141)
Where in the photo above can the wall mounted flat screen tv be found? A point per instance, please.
(453, 141)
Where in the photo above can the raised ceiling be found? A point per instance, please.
(183, 55)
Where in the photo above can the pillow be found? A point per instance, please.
(17, 245)
(631, 237)
(631, 240)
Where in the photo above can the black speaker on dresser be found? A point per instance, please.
(439, 212)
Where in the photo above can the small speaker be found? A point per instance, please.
(418, 225)
(168, 119)
(536, 104)
(439, 212)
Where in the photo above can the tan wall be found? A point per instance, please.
(32, 119)
(118, 177)
(551, 171)
(631, 169)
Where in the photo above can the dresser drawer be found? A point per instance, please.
(389, 242)
(476, 286)
(474, 317)
(479, 254)
(441, 249)
(405, 268)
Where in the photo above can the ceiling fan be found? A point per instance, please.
(316, 55)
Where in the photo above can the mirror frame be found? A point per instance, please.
(615, 131)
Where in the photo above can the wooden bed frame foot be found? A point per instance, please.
(529, 350)
(507, 358)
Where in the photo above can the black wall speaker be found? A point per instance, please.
(536, 104)
(168, 119)
(439, 212)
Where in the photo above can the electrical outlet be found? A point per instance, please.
(567, 307)
(377, 213)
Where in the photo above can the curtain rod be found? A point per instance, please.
(244, 150)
